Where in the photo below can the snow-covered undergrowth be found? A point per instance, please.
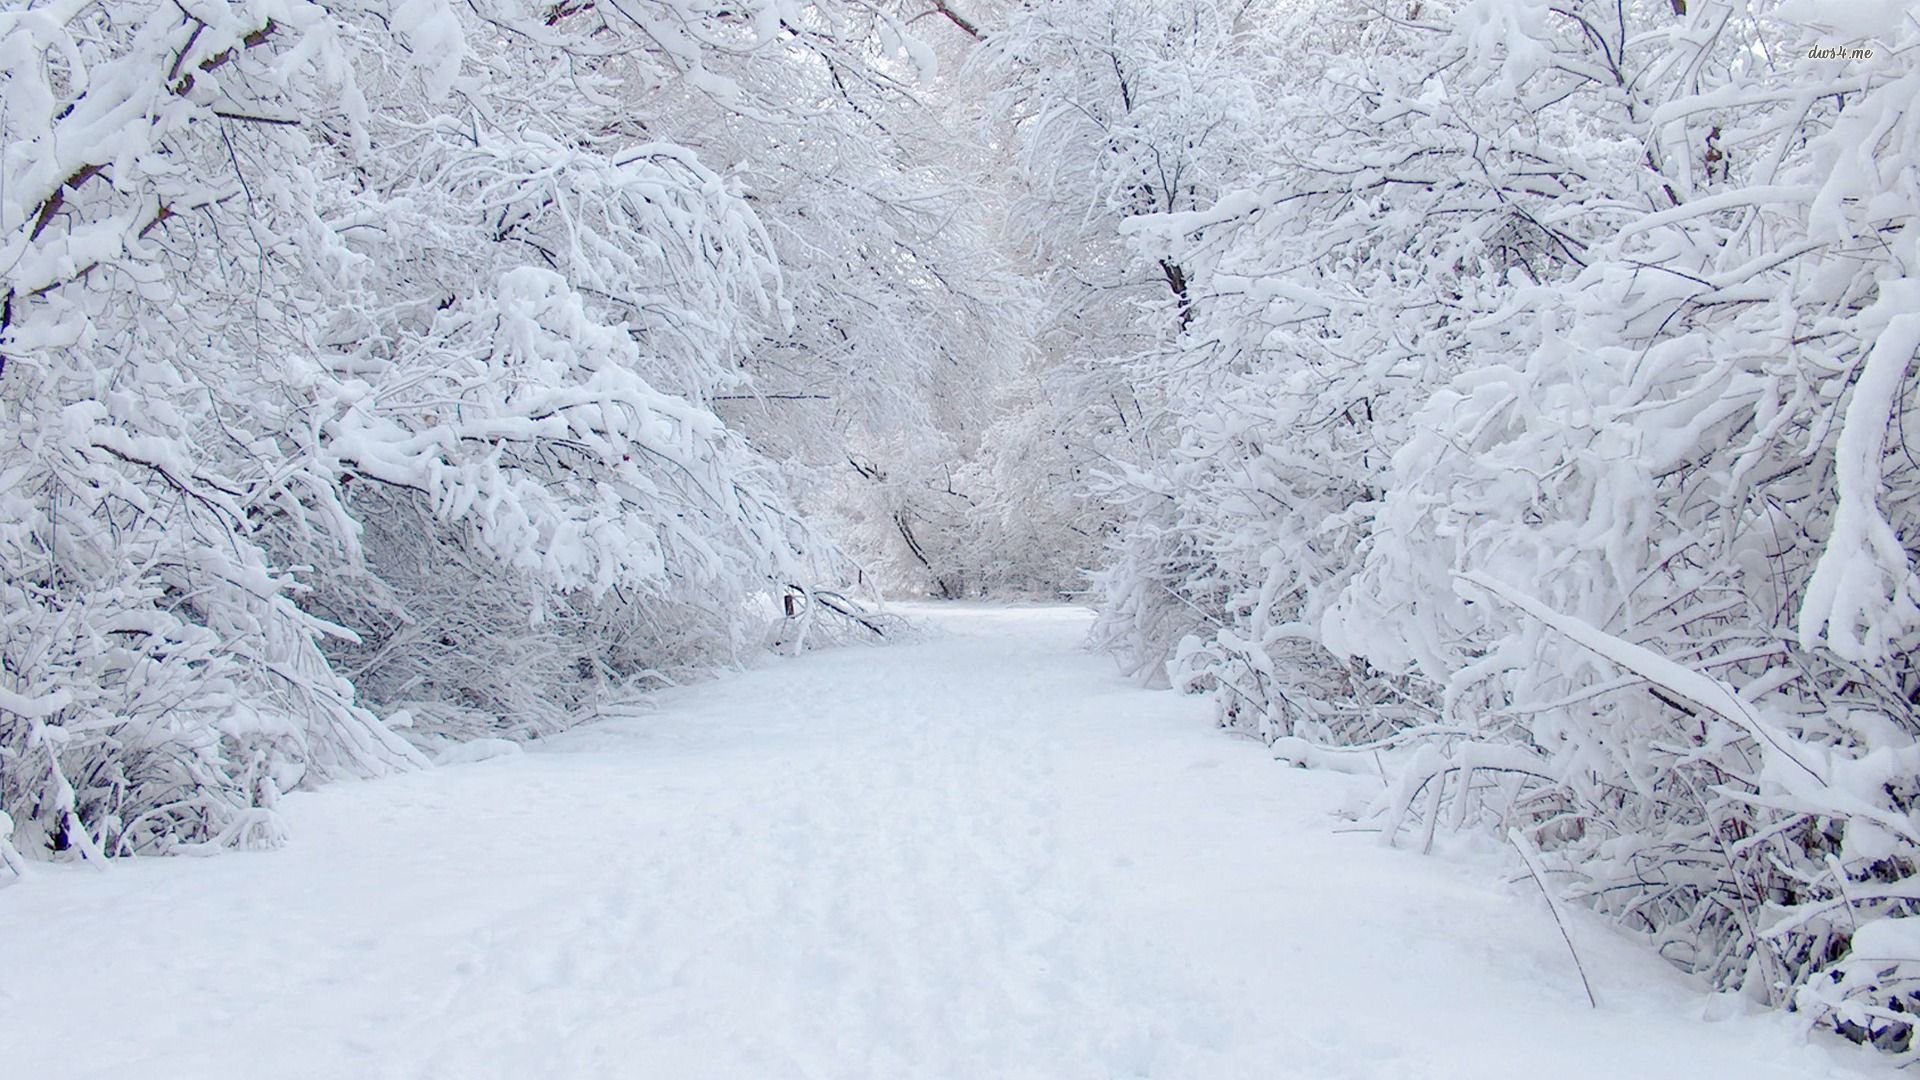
(1532, 424)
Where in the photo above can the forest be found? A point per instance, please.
(1502, 399)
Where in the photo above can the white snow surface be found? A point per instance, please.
(980, 855)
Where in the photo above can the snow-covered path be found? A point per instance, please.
(980, 856)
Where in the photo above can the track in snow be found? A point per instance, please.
(979, 856)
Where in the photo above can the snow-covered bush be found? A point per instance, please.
(359, 360)
(161, 681)
(1659, 537)
(1539, 418)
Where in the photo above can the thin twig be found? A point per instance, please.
(1530, 855)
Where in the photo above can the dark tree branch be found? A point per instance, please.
(51, 206)
(966, 25)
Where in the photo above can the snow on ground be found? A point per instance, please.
(983, 855)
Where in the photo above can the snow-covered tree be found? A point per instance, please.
(1115, 109)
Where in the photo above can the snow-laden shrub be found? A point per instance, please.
(1659, 541)
(542, 524)
(161, 682)
(1541, 426)
(356, 342)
